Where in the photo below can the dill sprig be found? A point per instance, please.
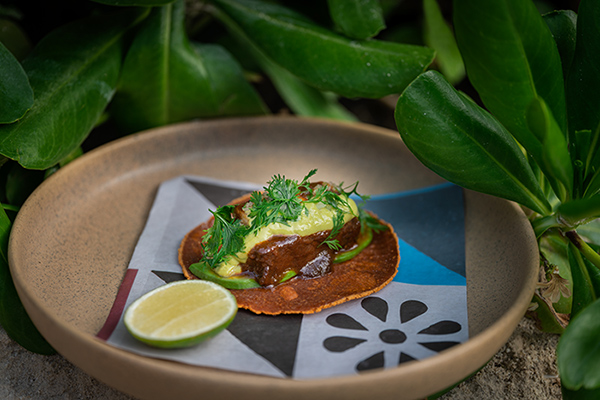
(282, 201)
(225, 238)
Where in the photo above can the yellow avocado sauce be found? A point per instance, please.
(320, 217)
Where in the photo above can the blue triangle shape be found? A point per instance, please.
(419, 269)
(431, 219)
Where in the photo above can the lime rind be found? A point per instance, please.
(189, 338)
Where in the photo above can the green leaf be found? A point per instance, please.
(578, 351)
(543, 181)
(439, 36)
(20, 183)
(580, 147)
(302, 99)
(445, 126)
(584, 288)
(590, 232)
(589, 143)
(579, 211)
(511, 58)
(306, 100)
(461, 142)
(141, 3)
(594, 274)
(555, 160)
(167, 79)
(581, 394)
(563, 26)
(16, 95)
(584, 75)
(328, 61)
(73, 72)
(357, 19)
(13, 317)
(231, 92)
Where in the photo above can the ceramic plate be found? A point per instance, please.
(73, 239)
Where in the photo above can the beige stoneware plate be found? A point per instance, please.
(73, 239)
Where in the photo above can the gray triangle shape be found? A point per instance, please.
(218, 195)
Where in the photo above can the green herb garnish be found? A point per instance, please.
(225, 238)
(282, 201)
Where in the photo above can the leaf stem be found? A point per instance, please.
(584, 248)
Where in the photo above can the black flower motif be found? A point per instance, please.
(410, 326)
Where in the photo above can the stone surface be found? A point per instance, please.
(524, 368)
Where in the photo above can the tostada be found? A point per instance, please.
(294, 247)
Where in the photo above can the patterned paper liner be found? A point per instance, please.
(422, 312)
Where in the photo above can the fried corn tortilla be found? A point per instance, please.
(368, 272)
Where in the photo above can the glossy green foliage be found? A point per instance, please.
(554, 159)
(463, 143)
(440, 37)
(583, 98)
(168, 79)
(300, 97)
(357, 19)
(563, 25)
(583, 153)
(520, 64)
(16, 95)
(578, 351)
(13, 317)
(322, 58)
(584, 75)
(580, 394)
(511, 58)
(591, 231)
(586, 286)
(304, 99)
(140, 3)
(73, 73)
(20, 183)
(579, 211)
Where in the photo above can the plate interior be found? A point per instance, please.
(73, 238)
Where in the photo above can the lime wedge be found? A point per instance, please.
(180, 314)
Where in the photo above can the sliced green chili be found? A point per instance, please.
(363, 242)
(203, 271)
(287, 276)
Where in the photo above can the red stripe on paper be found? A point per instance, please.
(118, 306)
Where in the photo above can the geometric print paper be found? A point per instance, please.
(421, 312)
(400, 323)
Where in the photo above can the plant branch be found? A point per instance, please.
(584, 248)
